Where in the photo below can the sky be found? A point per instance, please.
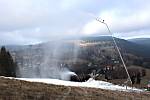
(35, 21)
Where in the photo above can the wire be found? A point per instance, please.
(112, 35)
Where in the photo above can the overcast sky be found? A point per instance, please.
(34, 21)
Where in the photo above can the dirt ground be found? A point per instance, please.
(22, 90)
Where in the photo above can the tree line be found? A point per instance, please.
(7, 64)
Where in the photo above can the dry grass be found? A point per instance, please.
(22, 90)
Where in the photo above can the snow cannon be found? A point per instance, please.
(80, 78)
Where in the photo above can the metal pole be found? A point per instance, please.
(102, 21)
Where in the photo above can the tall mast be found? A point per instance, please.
(115, 43)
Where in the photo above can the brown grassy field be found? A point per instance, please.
(23, 90)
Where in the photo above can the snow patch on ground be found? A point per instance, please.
(90, 83)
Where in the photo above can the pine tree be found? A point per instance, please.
(7, 65)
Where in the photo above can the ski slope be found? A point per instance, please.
(90, 83)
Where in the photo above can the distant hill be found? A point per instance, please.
(134, 48)
(97, 38)
(94, 49)
(142, 41)
(139, 47)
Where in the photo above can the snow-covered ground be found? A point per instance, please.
(90, 83)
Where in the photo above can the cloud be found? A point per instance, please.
(33, 21)
(121, 20)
